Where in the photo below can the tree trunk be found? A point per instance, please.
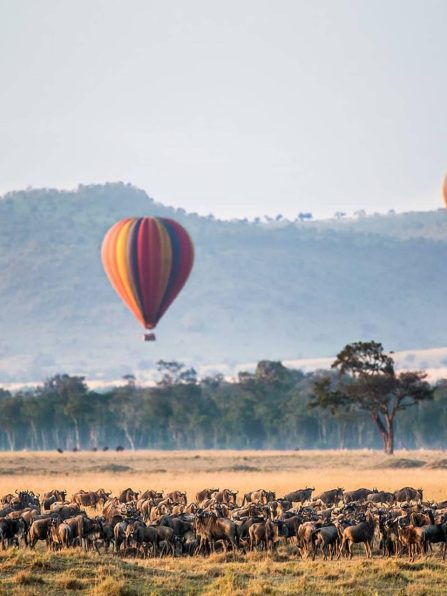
(128, 436)
(386, 432)
(342, 434)
(77, 435)
(11, 439)
(389, 450)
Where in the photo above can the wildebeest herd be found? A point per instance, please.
(151, 523)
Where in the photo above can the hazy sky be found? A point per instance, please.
(239, 108)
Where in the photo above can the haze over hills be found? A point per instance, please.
(280, 290)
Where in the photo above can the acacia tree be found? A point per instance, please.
(367, 381)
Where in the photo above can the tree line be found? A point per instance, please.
(360, 403)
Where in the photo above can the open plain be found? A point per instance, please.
(26, 572)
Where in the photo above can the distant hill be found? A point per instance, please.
(281, 290)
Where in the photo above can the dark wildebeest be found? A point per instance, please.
(166, 540)
(39, 530)
(119, 534)
(331, 497)
(327, 538)
(65, 511)
(179, 525)
(359, 494)
(60, 535)
(210, 529)
(305, 538)
(420, 518)
(59, 494)
(206, 493)
(142, 536)
(361, 532)
(411, 537)
(434, 533)
(299, 496)
(25, 498)
(6, 499)
(177, 497)
(261, 495)
(189, 543)
(128, 495)
(380, 497)
(91, 498)
(152, 494)
(11, 530)
(226, 496)
(390, 538)
(408, 494)
(265, 533)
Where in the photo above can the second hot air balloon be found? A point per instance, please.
(444, 190)
(147, 260)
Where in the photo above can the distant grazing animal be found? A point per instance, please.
(299, 496)
(331, 497)
(408, 494)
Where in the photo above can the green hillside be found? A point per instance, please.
(280, 290)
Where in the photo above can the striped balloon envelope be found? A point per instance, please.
(147, 260)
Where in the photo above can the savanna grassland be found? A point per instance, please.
(25, 572)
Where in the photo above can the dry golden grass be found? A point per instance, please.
(281, 471)
(227, 574)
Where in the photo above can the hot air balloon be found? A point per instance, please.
(147, 260)
(444, 190)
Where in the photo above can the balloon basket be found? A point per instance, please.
(149, 337)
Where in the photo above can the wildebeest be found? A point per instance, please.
(408, 494)
(261, 495)
(305, 538)
(326, 538)
(177, 497)
(210, 529)
(362, 532)
(39, 530)
(143, 536)
(411, 537)
(380, 497)
(128, 495)
(65, 510)
(359, 494)
(60, 535)
(91, 498)
(265, 533)
(433, 533)
(299, 496)
(206, 493)
(11, 530)
(152, 494)
(59, 494)
(166, 540)
(331, 497)
(226, 496)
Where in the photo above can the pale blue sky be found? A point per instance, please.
(239, 108)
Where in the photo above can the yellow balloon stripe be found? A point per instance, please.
(122, 263)
(109, 259)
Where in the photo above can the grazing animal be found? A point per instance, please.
(362, 532)
(408, 494)
(301, 495)
(331, 497)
